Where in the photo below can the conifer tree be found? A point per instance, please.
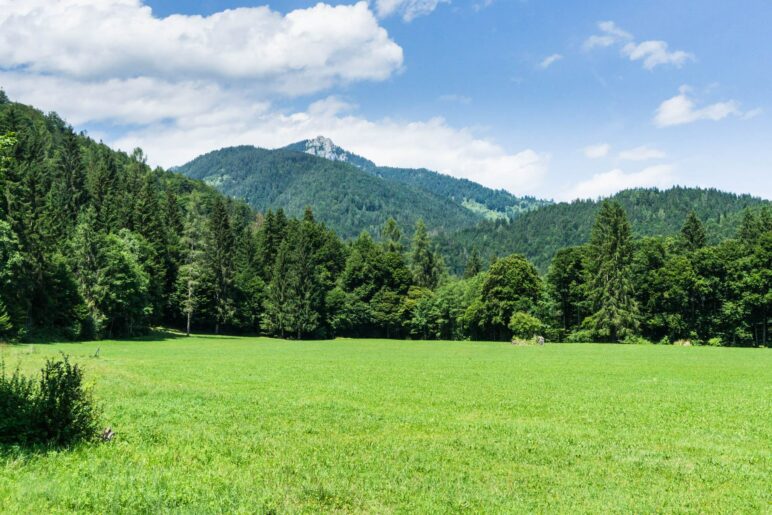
(427, 268)
(220, 262)
(473, 265)
(392, 236)
(190, 280)
(615, 313)
(693, 232)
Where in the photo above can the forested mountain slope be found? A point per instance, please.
(91, 239)
(343, 196)
(489, 203)
(652, 212)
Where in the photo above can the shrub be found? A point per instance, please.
(636, 340)
(580, 336)
(58, 410)
(714, 342)
(17, 407)
(524, 325)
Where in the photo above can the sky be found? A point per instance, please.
(556, 99)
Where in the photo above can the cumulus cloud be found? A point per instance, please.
(304, 51)
(597, 151)
(549, 61)
(642, 153)
(430, 143)
(608, 183)
(183, 85)
(682, 109)
(652, 53)
(408, 9)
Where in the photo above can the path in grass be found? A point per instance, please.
(210, 424)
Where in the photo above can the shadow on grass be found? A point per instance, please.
(20, 452)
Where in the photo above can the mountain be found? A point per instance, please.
(489, 203)
(652, 212)
(348, 199)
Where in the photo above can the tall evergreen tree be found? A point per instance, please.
(693, 232)
(190, 280)
(426, 264)
(392, 236)
(615, 313)
(473, 264)
(219, 254)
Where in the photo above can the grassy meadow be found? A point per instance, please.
(252, 425)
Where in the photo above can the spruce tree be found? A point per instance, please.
(190, 280)
(473, 265)
(220, 262)
(392, 236)
(615, 313)
(693, 232)
(426, 267)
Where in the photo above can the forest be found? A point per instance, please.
(95, 244)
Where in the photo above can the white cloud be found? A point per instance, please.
(408, 9)
(597, 151)
(550, 60)
(304, 51)
(184, 85)
(681, 109)
(608, 183)
(610, 35)
(653, 53)
(642, 153)
(431, 143)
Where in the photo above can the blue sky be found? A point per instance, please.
(555, 99)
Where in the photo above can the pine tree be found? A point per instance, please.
(392, 236)
(427, 269)
(615, 313)
(220, 262)
(190, 279)
(693, 232)
(473, 265)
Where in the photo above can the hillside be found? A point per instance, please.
(343, 196)
(652, 212)
(489, 203)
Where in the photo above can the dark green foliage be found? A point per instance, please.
(512, 284)
(615, 309)
(58, 410)
(693, 233)
(344, 197)
(567, 285)
(94, 243)
(473, 264)
(540, 234)
(484, 201)
(426, 263)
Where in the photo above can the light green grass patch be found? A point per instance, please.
(208, 424)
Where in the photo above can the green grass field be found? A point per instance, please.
(207, 424)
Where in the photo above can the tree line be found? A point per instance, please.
(96, 244)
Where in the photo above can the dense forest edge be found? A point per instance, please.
(94, 243)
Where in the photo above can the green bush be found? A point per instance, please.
(58, 410)
(525, 326)
(580, 336)
(17, 407)
(636, 340)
